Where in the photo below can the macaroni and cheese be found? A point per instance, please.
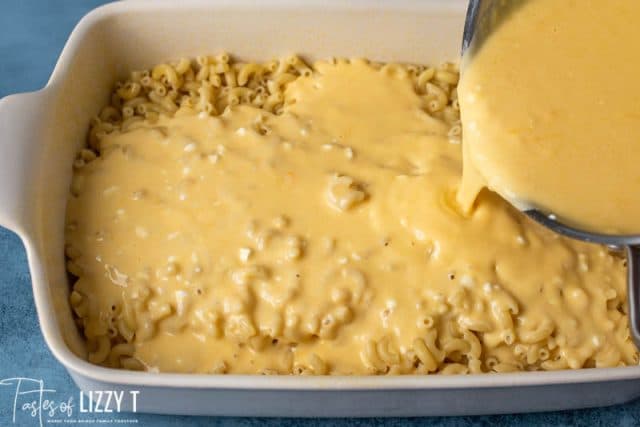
(278, 218)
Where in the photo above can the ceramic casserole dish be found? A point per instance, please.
(40, 133)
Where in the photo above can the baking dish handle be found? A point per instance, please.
(633, 283)
(18, 137)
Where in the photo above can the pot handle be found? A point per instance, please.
(18, 137)
(633, 291)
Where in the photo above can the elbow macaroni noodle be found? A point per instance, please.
(277, 218)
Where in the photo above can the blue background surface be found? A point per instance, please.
(32, 34)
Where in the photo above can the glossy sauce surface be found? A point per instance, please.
(550, 108)
(327, 239)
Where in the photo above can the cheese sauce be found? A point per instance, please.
(550, 108)
(326, 239)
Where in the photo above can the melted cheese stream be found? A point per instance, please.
(550, 108)
(264, 241)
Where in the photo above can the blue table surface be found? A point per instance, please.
(32, 34)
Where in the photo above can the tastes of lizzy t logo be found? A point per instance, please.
(32, 400)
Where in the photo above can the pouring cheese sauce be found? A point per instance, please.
(550, 108)
(324, 239)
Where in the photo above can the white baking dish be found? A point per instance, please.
(41, 131)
